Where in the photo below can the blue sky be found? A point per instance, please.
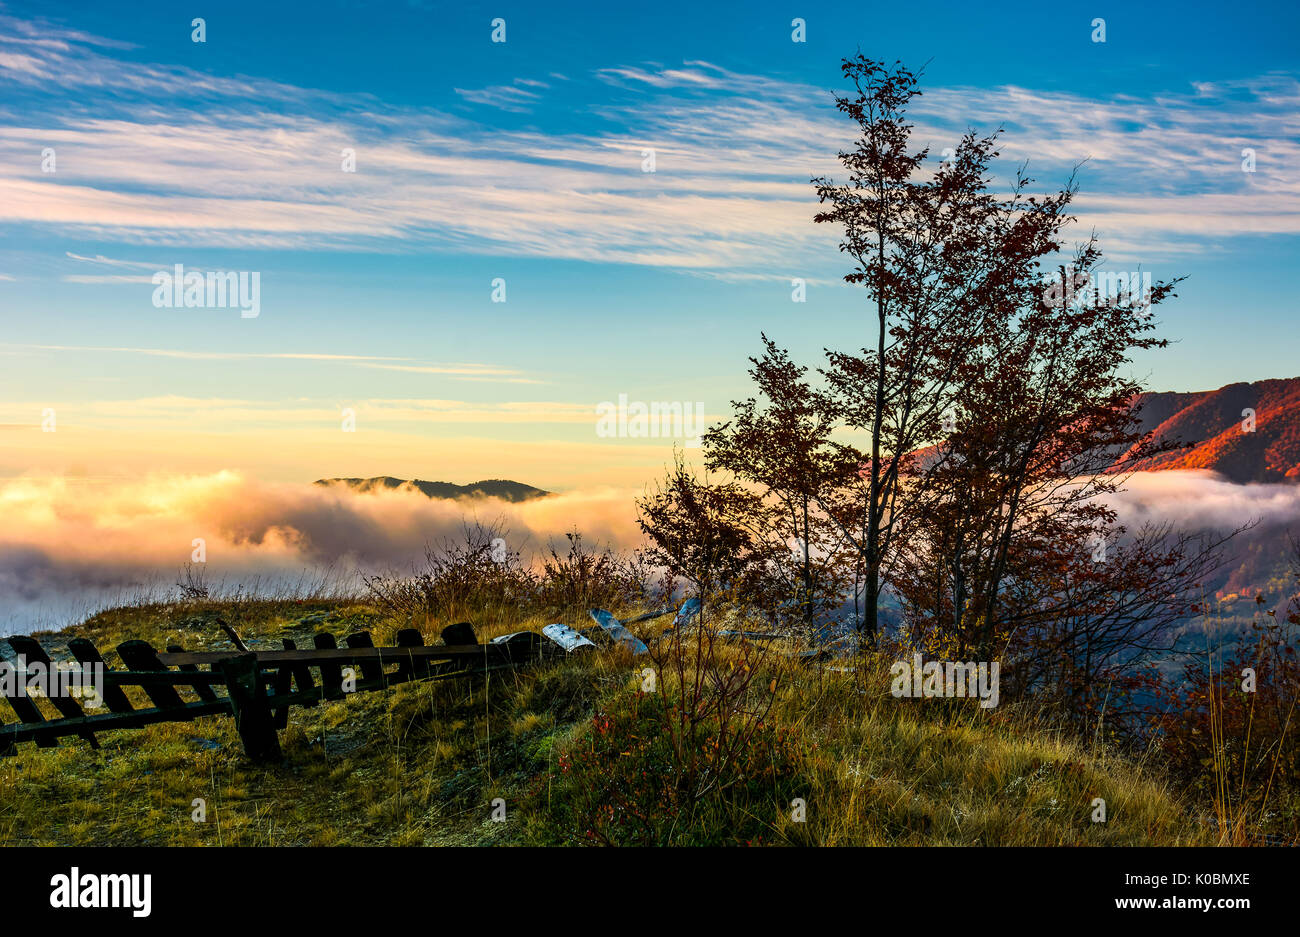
(522, 160)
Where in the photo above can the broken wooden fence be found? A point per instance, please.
(259, 686)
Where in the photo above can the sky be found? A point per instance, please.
(485, 167)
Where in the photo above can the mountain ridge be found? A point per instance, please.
(502, 488)
(1213, 426)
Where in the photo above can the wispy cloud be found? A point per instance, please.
(202, 355)
(112, 262)
(107, 279)
(243, 162)
(205, 414)
(462, 370)
(517, 97)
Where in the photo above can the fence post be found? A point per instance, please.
(331, 675)
(29, 712)
(252, 711)
(88, 655)
(31, 649)
(369, 670)
(410, 669)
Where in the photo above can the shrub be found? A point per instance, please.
(688, 759)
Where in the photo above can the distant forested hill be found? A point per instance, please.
(1213, 422)
(490, 488)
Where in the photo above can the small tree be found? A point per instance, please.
(1085, 636)
(781, 447)
(700, 532)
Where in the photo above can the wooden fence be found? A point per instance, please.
(257, 688)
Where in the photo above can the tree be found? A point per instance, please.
(1038, 427)
(781, 447)
(941, 260)
(700, 531)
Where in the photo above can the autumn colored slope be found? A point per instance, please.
(1214, 423)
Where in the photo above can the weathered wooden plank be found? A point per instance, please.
(459, 634)
(300, 699)
(104, 722)
(31, 649)
(370, 669)
(140, 655)
(411, 666)
(251, 708)
(29, 715)
(232, 635)
(88, 656)
(166, 678)
(332, 654)
(204, 690)
(331, 674)
(303, 699)
(302, 678)
(282, 684)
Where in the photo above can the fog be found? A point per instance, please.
(69, 546)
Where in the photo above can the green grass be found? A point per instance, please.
(567, 746)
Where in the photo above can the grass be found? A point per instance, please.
(574, 751)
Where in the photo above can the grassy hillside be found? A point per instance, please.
(578, 752)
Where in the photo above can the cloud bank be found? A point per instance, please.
(72, 545)
(1203, 500)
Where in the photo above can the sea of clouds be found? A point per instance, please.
(1204, 500)
(70, 546)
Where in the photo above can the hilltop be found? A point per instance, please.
(578, 752)
(1212, 421)
(489, 488)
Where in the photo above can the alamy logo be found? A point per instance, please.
(103, 891)
(224, 289)
(1104, 287)
(661, 419)
(20, 679)
(916, 679)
